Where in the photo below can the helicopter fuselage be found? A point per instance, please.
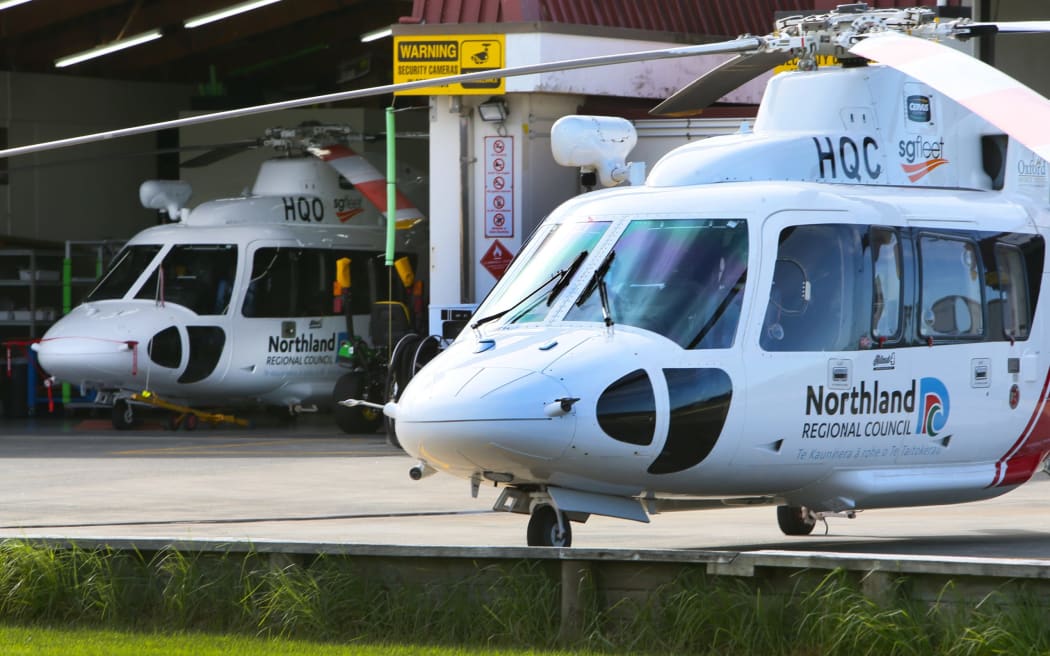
(864, 347)
(219, 326)
(836, 311)
(235, 303)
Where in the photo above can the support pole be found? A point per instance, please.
(67, 307)
(391, 185)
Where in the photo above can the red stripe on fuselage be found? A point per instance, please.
(1019, 463)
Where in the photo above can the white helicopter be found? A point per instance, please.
(839, 310)
(233, 302)
(836, 311)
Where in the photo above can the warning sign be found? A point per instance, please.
(429, 57)
(496, 259)
(499, 186)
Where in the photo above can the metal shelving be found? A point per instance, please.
(37, 286)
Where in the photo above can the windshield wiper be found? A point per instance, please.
(734, 290)
(597, 281)
(596, 277)
(566, 278)
(562, 276)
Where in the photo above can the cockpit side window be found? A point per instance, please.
(196, 276)
(821, 296)
(886, 289)
(681, 278)
(126, 268)
(297, 282)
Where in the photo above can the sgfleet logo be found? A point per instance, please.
(347, 208)
(934, 407)
(920, 156)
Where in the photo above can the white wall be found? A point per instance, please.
(540, 184)
(51, 195)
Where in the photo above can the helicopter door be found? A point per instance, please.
(290, 324)
(833, 386)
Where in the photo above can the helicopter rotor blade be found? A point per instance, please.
(996, 97)
(367, 179)
(221, 152)
(964, 30)
(720, 80)
(743, 44)
(87, 159)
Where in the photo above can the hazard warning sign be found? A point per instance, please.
(496, 259)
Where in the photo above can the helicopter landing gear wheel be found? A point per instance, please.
(545, 529)
(123, 415)
(795, 520)
(426, 350)
(398, 372)
(190, 422)
(360, 419)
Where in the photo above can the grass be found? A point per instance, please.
(42, 641)
(215, 601)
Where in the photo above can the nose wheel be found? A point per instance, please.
(795, 520)
(548, 528)
(361, 419)
(124, 415)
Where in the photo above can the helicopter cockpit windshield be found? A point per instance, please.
(199, 277)
(126, 268)
(556, 258)
(681, 278)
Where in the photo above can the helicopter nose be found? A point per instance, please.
(488, 419)
(93, 345)
(73, 359)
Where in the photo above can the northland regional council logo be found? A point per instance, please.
(933, 407)
(871, 409)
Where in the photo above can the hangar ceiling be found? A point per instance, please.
(290, 48)
(294, 48)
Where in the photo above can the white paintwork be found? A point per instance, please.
(864, 146)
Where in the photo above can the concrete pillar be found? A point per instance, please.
(447, 159)
(577, 588)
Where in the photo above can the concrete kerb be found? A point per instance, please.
(607, 575)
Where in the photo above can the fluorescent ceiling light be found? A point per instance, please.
(221, 14)
(7, 4)
(108, 48)
(375, 35)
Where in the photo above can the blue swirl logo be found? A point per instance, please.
(933, 407)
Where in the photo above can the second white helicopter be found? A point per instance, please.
(233, 302)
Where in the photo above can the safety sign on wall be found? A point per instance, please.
(499, 187)
(496, 259)
(429, 57)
